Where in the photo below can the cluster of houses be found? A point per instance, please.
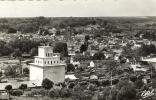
(49, 65)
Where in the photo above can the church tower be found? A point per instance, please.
(47, 65)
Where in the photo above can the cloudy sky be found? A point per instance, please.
(77, 8)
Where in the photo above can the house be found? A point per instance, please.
(138, 68)
(109, 54)
(71, 77)
(93, 77)
(75, 63)
(151, 61)
(52, 31)
(92, 65)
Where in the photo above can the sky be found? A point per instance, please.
(77, 8)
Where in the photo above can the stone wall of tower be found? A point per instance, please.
(55, 73)
(45, 51)
(36, 73)
(52, 61)
(47, 61)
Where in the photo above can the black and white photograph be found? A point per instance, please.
(77, 49)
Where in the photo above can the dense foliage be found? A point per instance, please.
(61, 47)
(47, 84)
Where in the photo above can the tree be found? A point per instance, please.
(105, 95)
(65, 93)
(105, 82)
(146, 50)
(26, 71)
(1, 73)
(61, 47)
(87, 37)
(10, 71)
(126, 90)
(16, 93)
(71, 85)
(99, 56)
(92, 87)
(27, 27)
(62, 25)
(17, 53)
(24, 45)
(5, 50)
(41, 20)
(70, 67)
(133, 78)
(138, 83)
(33, 52)
(42, 92)
(83, 48)
(122, 83)
(97, 35)
(47, 84)
(12, 30)
(130, 53)
(23, 87)
(126, 93)
(8, 88)
(54, 93)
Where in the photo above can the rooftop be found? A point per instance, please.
(50, 65)
(149, 59)
(45, 46)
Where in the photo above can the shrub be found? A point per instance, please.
(71, 85)
(126, 93)
(83, 83)
(65, 93)
(23, 87)
(80, 95)
(32, 93)
(105, 94)
(43, 92)
(26, 71)
(105, 82)
(78, 88)
(36, 92)
(92, 87)
(8, 88)
(133, 78)
(47, 84)
(100, 96)
(77, 94)
(138, 84)
(115, 81)
(16, 93)
(54, 93)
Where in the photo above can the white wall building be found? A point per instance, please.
(47, 65)
(151, 61)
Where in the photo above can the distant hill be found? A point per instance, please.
(32, 24)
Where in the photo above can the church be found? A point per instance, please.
(47, 65)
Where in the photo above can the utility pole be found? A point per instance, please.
(111, 85)
(111, 79)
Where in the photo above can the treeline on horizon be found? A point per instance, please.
(32, 24)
